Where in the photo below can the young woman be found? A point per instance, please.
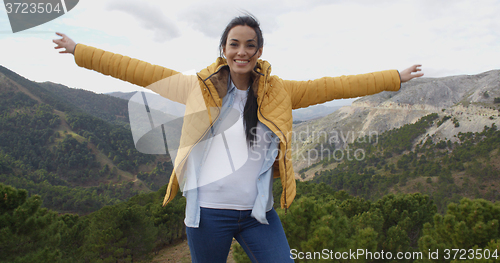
(239, 204)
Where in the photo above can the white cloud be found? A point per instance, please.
(149, 16)
(303, 39)
(211, 17)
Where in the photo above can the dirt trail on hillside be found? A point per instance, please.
(179, 253)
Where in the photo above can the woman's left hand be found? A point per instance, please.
(406, 74)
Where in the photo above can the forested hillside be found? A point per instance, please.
(446, 171)
(108, 108)
(322, 224)
(124, 232)
(76, 162)
(326, 225)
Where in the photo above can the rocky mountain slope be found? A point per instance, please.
(469, 101)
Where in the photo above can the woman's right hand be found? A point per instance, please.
(65, 42)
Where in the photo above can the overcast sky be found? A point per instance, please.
(302, 39)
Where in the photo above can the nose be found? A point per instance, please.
(241, 52)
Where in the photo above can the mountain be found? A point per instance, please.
(313, 112)
(72, 147)
(156, 102)
(468, 101)
(122, 95)
(108, 108)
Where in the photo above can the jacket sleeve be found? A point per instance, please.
(307, 93)
(136, 72)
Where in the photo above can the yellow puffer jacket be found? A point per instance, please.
(276, 98)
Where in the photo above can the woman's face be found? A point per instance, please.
(240, 48)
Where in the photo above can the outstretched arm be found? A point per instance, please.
(166, 82)
(122, 67)
(307, 93)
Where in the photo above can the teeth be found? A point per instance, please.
(241, 61)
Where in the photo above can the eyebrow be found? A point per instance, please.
(250, 40)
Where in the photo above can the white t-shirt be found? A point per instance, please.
(237, 190)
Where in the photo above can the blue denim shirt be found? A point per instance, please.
(264, 201)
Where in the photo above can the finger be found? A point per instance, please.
(58, 41)
(417, 75)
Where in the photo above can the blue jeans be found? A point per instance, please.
(212, 240)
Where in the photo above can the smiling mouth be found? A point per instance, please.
(241, 61)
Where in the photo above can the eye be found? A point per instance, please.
(233, 44)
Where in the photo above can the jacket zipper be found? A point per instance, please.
(284, 157)
(216, 118)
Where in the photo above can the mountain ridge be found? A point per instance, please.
(467, 99)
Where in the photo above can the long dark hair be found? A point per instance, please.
(250, 111)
